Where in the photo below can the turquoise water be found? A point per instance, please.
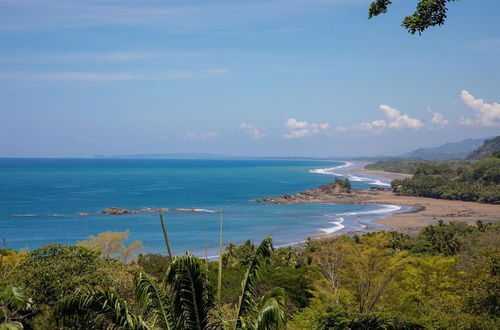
(39, 199)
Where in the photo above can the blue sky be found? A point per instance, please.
(261, 78)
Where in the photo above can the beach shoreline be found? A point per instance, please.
(421, 211)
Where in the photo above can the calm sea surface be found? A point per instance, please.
(39, 199)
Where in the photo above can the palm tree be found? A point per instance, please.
(183, 300)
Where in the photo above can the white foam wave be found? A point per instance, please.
(24, 215)
(330, 170)
(338, 226)
(384, 209)
(204, 210)
(334, 171)
(377, 182)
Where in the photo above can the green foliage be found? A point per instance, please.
(192, 297)
(183, 300)
(446, 277)
(345, 185)
(338, 318)
(54, 271)
(296, 282)
(408, 166)
(428, 13)
(153, 264)
(479, 182)
(14, 304)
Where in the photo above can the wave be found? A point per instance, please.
(384, 209)
(195, 210)
(334, 171)
(377, 182)
(329, 170)
(338, 226)
(24, 215)
(204, 210)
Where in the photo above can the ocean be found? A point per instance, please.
(39, 199)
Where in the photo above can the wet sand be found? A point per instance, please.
(431, 211)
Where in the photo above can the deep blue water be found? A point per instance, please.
(39, 199)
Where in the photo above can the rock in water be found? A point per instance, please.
(117, 210)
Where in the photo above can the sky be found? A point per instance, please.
(247, 78)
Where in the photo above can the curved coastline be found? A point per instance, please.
(406, 213)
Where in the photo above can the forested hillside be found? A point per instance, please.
(479, 181)
(486, 150)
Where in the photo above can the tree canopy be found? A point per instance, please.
(428, 13)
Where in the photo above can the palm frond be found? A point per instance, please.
(246, 304)
(192, 299)
(154, 301)
(11, 326)
(272, 313)
(88, 303)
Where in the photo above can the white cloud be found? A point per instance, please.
(297, 129)
(203, 136)
(393, 119)
(438, 119)
(191, 135)
(466, 121)
(252, 131)
(486, 114)
(208, 135)
(398, 121)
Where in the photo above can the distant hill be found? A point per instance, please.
(455, 150)
(487, 149)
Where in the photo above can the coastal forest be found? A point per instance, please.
(446, 277)
(466, 180)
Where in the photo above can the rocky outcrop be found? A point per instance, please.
(331, 191)
(118, 211)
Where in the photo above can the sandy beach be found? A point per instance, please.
(426, 210)
(430, 211)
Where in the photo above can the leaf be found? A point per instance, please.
(14, 295)
(11, 326)
(154, 301)
(246, 304)
(272, 312)
(192, 300)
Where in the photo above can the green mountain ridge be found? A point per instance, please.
(486, 150)
(453, 150)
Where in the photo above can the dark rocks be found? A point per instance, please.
(118, 211)
(325, 192)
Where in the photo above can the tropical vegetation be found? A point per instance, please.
(479, 181)
(445, 277)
